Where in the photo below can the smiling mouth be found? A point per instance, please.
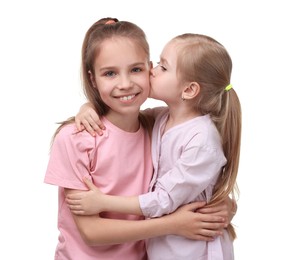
(126, 98)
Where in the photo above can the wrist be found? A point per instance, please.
(105, 203)
(170, 225)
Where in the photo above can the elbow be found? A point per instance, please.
(90, 229)
(91, 236)
(160, 207)
(94, 231)
(87, 236)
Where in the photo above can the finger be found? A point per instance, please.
(213, 218)
(97, 124)
(89, 184)
(208, 210)
(79, 125)
(72, 201)
(211, 233)
(215, 211)
(78, 212)
(75, 196)
(88, 128)
(194, 205)
(213, 225)
(75, 207)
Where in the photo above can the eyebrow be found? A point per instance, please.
(131, 65)
(163, 60)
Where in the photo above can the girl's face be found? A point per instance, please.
(164, 81)
(122, 75)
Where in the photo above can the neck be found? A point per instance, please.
(179, 115)
(128, 123)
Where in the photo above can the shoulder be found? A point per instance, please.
(68, 130)
(204, 132)
(68, 134)
(162, 112)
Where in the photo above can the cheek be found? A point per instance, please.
(156, 89)
(104, 90)
(154, 85)
(157, 82)
(145, 83)
(103, 96)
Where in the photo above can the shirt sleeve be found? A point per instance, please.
(197, 168)
(70, 157)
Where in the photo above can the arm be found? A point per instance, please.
(184, 222)
(95, 230)
(88, 119)
(188, 180)
(88, 203)
(93, 201)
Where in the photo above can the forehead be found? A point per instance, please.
(118, 43)
(120, 51)
(169, 52)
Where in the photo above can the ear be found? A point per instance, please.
(191, 90)
(151, 65)
(92, 79)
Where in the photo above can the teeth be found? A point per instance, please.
(127, 97)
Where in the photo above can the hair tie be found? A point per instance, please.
(110, 22)
(228, 87)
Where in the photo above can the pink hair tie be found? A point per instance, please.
(110, 22)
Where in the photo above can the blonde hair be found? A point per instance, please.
(103, 29)
(203, 60)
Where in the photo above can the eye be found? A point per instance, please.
(109, 74)
(160, 65)
(136, 69)
(163, 68)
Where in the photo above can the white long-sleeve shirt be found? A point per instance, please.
(187, 161)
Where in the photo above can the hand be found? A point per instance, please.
(87, 202)
(194, 225)
(88, 119)
(225, 209)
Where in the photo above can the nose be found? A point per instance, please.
(152, 72)
(125, 82)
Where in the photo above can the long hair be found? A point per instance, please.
(203, 60)
(106, 28)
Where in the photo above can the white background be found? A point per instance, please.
(40, 49)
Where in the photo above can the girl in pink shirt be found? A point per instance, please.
(195, 146)
(115, 71)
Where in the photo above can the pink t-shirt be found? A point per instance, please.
(118, 163)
